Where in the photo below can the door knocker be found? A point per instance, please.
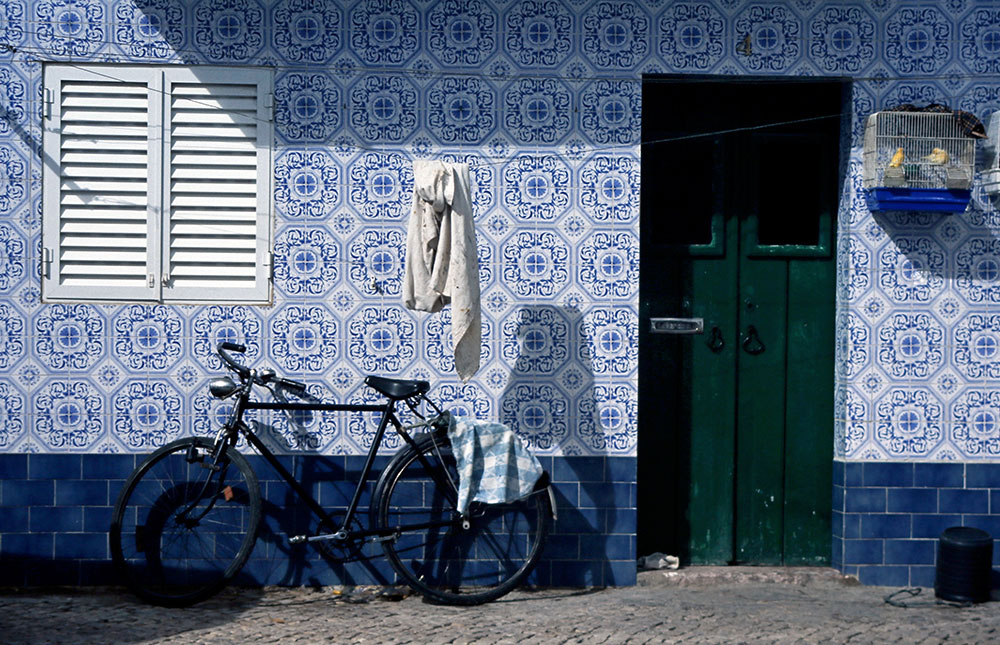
(752, 344)
(715, 341)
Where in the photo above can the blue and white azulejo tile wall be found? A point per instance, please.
(543, 99)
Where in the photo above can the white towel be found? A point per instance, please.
(494, 466)
(441, 262)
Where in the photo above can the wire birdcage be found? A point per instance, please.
(917, 161)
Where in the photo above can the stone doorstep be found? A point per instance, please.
(712, 575)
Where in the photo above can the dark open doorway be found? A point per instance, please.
(739, 200)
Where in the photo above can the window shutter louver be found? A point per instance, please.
(218, 182)
(100, 172)
(157, 184)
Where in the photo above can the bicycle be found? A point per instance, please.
(186, 520)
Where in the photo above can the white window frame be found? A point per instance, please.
(130, 217)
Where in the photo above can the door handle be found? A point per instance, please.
(715, 341)
(752, 344)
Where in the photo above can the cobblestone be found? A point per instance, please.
(696, 605)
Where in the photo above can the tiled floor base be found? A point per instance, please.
(887, 517)
(55, 511)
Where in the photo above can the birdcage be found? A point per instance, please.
(991, 175)
(917, 161)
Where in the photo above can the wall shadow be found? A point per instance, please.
(550, 401)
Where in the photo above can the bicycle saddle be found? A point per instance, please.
(395, 388)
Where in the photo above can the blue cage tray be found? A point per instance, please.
(941, 200)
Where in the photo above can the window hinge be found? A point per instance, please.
(269, 106)
(46, 262)
(151, 280)
(48, 103)
(270, 265)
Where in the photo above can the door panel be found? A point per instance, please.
(690, 243)
(709, 358)
(760, 421)
(735, 440)
(808, 470)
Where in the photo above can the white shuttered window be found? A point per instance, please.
(157, 184)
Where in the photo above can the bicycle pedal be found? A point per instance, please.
(297, 539)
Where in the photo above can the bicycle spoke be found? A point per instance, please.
(456, 564)
(175, 537)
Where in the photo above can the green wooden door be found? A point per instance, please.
(735, 423)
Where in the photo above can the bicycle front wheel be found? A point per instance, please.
(448, 558)
(183, 525)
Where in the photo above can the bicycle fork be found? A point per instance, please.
(217, 469)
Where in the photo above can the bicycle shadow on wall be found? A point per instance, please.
(298, 436)
(550, 400)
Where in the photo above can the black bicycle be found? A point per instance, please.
(187, 519)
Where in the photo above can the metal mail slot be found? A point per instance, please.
(677, 325)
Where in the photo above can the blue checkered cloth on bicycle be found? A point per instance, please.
(494, 465)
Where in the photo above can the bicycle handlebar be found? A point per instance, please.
(289, 384)
(225, 347)
(223, 350)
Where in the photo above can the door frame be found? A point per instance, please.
(651, 447)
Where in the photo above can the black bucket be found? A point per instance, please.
(964, 565)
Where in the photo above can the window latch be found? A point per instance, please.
(150, 280)
(165, 279)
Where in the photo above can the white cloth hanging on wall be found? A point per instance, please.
(441, 262)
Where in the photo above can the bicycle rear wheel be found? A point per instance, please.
(450, 561)
(183, 527)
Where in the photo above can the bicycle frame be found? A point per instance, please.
(236, 426)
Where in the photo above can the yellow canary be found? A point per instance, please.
(937, 156)
(897, 159)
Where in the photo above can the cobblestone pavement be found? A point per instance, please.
(697, 605)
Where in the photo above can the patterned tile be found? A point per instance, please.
(616, 35)
(691, 37)
(307, 107)
(228, 30)
(150, 29)
(306, 184)
(539, 34)
(384, 32)
(383, 108)
(307, 261)
(842, 39)
(462, 33)
(306, 32)
(462, 111)
(147, 414)
(65, 28)
(919, 40)
(770, 37)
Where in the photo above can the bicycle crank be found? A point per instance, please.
(339, 536)
(338, 546)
